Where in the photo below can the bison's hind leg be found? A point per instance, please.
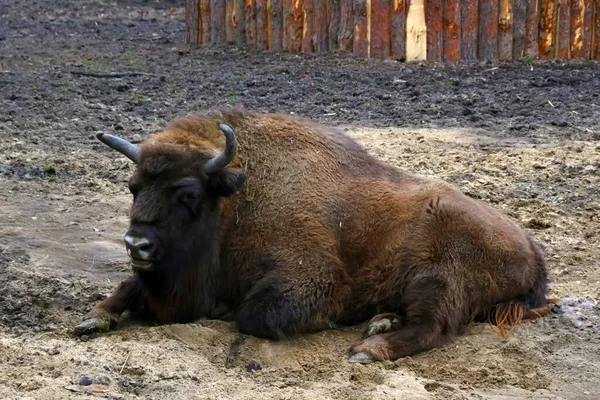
(433, 317)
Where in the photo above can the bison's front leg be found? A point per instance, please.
(304, 295)
(105, 314)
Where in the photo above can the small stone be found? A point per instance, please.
(85, 381)
(253, 367)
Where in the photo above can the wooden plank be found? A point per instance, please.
(250, 16)
(229, 21)
(488, 30)
(333, 28)
(434, 24)
(193, 30)
(469, 16)
(595, 45)
(262, 26)
(320, 42)
(346, 34)
(239, 21)
(293, 25)
(308, 26)
(519, 28)
(217, 21)
(205, 20)
(505, 30)
(576, 28)
(380, 29)
(564, 26)
(451, 31)
(361, 34)
(276, 25)
(547, 39)
(587, 29)
(398, 30)
(416, 31)
(532, 47)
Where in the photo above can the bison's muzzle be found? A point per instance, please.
(141, 250)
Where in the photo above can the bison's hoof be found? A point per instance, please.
(361, 358)
(93, 325)
(382, 323)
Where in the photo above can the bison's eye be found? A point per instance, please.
(187, 191)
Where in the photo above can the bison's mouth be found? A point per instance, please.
(140, 265)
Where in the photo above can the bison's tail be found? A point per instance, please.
(505, 317)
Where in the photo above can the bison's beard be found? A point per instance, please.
(185, 279)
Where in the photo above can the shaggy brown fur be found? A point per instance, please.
(304, 230)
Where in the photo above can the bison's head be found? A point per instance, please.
(176, 190)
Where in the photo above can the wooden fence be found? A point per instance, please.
(432, 30)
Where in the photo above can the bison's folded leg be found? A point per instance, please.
(296, 298)
(432, 319)
(105, 314)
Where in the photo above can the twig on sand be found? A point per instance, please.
(490, 70)
(111, 74)
(125, 363)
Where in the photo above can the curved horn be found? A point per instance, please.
(129, 150)
(219, 162)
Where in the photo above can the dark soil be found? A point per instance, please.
(524, 137)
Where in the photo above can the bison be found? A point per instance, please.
(287, 226)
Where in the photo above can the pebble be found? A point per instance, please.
(85, 381)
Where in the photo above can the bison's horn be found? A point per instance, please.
(219, 162)
(129, 150)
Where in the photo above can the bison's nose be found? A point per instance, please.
(139, 247)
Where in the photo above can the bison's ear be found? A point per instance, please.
(226, 182)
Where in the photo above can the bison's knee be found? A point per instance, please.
(268, 314)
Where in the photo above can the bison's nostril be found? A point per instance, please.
(139, 247)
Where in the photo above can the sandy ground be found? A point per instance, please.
(523, 137)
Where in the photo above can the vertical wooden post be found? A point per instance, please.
(262, 33)
(250, 15)
(346, 35)
(380, 29)
(505, 30)
(488, 30)
(451, 31)
(586, 34)
(308, 26)
(361, 34)
(398, 29)
(546, 39)
(595, 45)
(519, 28)
(433, 21)
(532, 47)
(205, 20)
(416, 31)
(576, 28)
(564, 26)
(217, 21)
(333, 29)
(193, 30)
(239, 21)
(293, 25)
(469, 15)
(276, 24)
(320, 42)
(229, 21)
